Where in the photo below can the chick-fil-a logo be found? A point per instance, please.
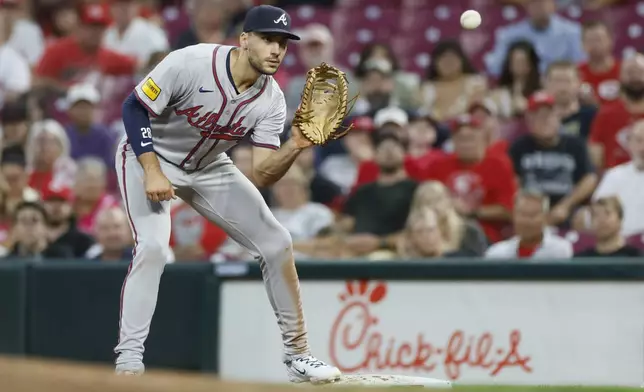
(358, 345)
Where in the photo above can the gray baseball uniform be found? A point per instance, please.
(196, 115)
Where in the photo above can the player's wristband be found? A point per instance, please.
(137, 125)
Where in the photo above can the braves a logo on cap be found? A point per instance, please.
(281, 19)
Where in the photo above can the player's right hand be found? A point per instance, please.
(158, 187)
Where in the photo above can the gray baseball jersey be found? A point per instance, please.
(198, 114)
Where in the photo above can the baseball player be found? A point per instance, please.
(180, 120)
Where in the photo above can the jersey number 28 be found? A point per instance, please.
(146, 133)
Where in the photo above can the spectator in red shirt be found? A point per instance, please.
(609, 132)
(600, 74)
(422, 135)
(393, 120)
(482, 185)
(193, 237)
(486, 113)
(48, 158)
(76, 58)
(91, 193)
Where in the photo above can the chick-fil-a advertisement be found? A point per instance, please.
(467, 332)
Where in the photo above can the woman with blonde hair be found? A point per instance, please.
(422, 237)
(459, 235)
(48, 159)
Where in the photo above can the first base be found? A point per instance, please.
(379, 380)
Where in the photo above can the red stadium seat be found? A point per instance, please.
(636, 240)
(412, 27)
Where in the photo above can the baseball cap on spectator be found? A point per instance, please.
(380, 65)
(83, 92)
(95, 14)
(382, 137)
(540, 99)
(391, 114)
(486, 105)
(269, 19)
(464, 120)
(62, 194)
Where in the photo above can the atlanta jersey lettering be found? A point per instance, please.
(196, 112)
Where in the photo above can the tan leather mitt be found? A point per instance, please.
(325, 105)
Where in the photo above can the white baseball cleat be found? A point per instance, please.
(130, 369)
(306, 368)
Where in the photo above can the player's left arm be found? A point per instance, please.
(270, 165)
(270, 161)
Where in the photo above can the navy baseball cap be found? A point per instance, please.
(269, 19)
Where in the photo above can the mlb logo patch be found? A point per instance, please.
(150, 89)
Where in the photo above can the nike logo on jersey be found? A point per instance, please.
(202, 90)
(145, 144)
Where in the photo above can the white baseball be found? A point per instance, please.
(470, 19)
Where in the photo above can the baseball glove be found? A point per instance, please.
(324, 105)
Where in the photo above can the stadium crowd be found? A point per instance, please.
(521, 139)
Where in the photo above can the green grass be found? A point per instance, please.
(494, 388)
(544, 388)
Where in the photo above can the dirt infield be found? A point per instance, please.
(29, 375)
(20, 375)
